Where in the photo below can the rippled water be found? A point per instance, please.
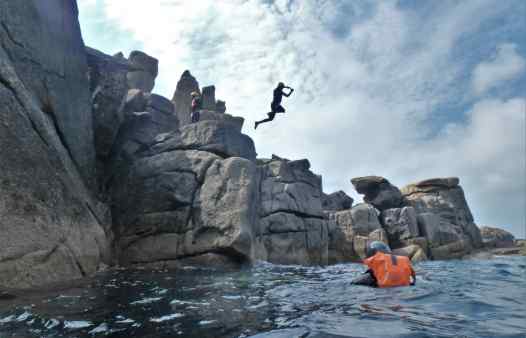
(451, 299)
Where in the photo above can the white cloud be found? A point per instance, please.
(507, 65)
(369, 78)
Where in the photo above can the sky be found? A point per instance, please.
(406, 89)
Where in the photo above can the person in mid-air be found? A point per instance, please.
(276, 106)
(196, 106)
(385, 269)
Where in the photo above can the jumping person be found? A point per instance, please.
(276, 106)
(196, 106)
(385, 269)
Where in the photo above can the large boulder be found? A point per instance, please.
(378, 191)
(216, 136)
(400, 225)
(291, 187)
(292, 229)
(182, 99)
(186, 203)
(361, 219)
(436, 230)
(52, 229)
(496, 237)
(284, 238)
(336, 201)
(144, 73)
(351, 230)
(452, 220)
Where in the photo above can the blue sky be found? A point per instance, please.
(403, 89)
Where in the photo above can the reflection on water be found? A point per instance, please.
(451, 299)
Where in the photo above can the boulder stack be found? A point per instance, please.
(443, 217)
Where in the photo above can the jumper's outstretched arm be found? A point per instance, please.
(290, 91)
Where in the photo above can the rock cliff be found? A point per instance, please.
(96, 169)
(51, 226)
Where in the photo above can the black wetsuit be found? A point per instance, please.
(275, 106)
(367, 279)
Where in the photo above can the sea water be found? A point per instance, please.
(460, 298)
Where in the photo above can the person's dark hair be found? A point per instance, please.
(281, 85)
(377, 246)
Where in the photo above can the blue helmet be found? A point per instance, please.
(377, 246)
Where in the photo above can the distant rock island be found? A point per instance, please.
(98, 171)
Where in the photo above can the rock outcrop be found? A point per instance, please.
(444, 217)
(51, 227)
(378, 191)
(336, 201)
(291, 228)
(496, 237)
(351, 231)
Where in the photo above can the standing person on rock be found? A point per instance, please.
(385, 269)
(276, 106)
(197, 104)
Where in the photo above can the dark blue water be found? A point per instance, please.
(452, 299)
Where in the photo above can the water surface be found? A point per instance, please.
(476, 298)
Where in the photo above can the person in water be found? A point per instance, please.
(195, 108)
(385, 269)
(276, 106)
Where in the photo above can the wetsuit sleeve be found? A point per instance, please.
(367, 279)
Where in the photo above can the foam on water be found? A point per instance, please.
(166, 318)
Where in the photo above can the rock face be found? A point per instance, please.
(400, 225)
(336, 201)
(443, 216)
(291, 229)
(51, 228)
(126, 116)
(351, 231)
(496, 238)
(378, 192)
(185, 203)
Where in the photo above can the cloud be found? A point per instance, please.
(507, 65)
(380, 86)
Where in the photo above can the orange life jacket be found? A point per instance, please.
(390, 270)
